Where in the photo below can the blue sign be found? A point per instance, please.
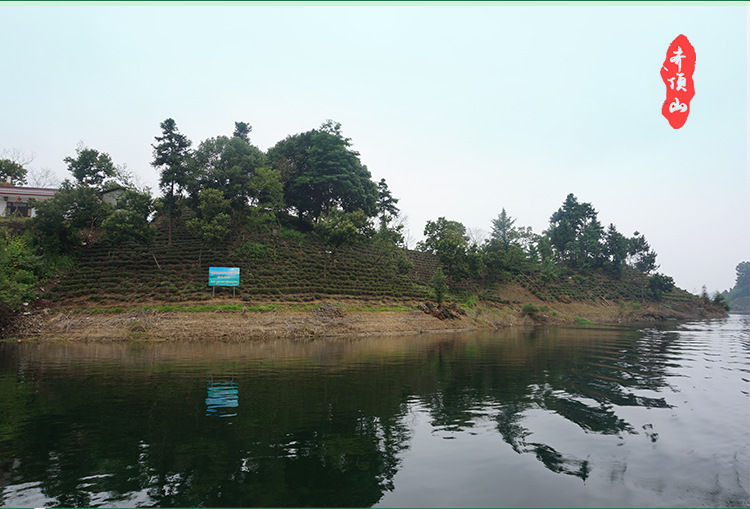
(223, 276)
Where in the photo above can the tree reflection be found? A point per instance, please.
(327, 428)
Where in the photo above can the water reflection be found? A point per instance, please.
(223, 399)
(340, 423)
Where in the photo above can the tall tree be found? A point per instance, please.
(615, 250)
(386, 204)
(172, 156)
(640, 254)
(321, 171)
(503, 230)
(575, 234)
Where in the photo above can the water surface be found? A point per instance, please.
(554, 416)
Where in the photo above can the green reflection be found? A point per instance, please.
(320, 424)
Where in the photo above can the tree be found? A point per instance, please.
(130, 221)
(60, 221)
(321, 171)
(386, 204)
(242, 131)
(659, 284)
(742, 281)
(267, 193)
(615, 250)
(575, 234)
(212, 224)
(338, 228)
(439, 285)
(448, 240)
(228, 165)
(12, 172)
(503, 230)
(172, 155)
(640, 254)
(91, 167)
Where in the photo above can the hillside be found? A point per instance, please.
(279, 268)
(294, 285)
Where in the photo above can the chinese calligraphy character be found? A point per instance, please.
(677, 106)
(677, 59)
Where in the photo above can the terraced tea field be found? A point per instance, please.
(271, 268)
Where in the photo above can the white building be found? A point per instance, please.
(15, 200)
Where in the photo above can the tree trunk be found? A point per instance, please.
(154, 256)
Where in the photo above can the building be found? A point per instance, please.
(15, 200)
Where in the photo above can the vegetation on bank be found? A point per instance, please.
(737, 299)
(304, 221)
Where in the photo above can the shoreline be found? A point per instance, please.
(233, 320)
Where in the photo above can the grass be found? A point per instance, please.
(198, 308)
(582, 321)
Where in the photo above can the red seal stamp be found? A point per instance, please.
(677, 74)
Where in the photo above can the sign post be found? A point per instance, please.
(223, 276)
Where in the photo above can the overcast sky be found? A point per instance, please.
(463, 109)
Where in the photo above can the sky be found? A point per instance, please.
(464, 108)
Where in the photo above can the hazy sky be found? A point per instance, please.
(463, 109)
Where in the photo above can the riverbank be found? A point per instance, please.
(237, 321)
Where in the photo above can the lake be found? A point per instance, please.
(638, 415)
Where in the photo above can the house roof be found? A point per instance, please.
(30, 192)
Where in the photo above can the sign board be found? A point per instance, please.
(223, 276)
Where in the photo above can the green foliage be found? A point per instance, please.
(575, 234)
(338, 228)
(439, 285)
(91, 167)
(173, 157)
(738, 298)
(386, 205)
(659, 284)
(581, 321)
(404, 265)
(253, 250)
(228, 165)
(22, 269)
(503, 231)
(60, 221)
(320, 172)
(130, 219)
(448, 240)
(641, 256)
(529, 309)
(13, 172)
(615, 251)
(242, 131)
(212, 224)
(720, 301)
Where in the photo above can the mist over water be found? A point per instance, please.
(654, 415)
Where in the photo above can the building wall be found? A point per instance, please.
(18, 198)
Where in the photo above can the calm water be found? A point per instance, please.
(590, 416)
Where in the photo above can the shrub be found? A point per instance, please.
(529, 309)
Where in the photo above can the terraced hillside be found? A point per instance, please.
(272, 267)
(598, 288)
(298, 268)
